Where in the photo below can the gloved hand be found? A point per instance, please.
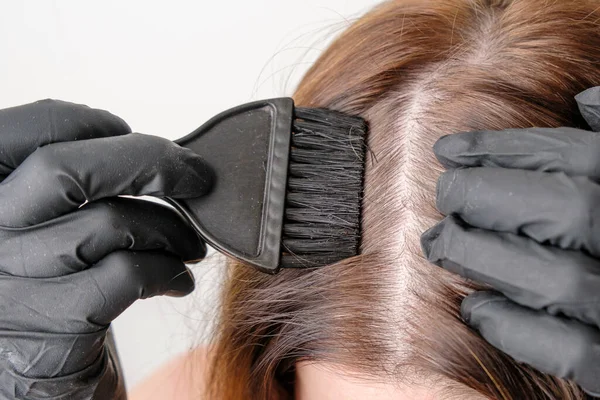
(523, 211)
(67, 271)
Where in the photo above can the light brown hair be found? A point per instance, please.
(416, 70)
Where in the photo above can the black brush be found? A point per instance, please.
(288, 184)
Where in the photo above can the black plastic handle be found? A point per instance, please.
(248, 149)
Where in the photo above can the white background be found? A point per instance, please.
(165, 67)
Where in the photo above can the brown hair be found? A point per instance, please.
(415, 69)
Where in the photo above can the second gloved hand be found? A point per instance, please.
(523, 212)
(66, 270)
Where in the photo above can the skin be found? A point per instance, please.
(179, 379)
(320, 381)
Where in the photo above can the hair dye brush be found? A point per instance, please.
(288, 184)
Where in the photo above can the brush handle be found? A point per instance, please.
(247, 149)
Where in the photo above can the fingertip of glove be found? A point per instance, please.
(588, 102)
(198, 253)
(431, 237)
(451, 149)
(444, 150)
(589, 97)
(428, 239)
(94, 117)
(181, 285)
(199, 181)
(475, 301)
(117, 125)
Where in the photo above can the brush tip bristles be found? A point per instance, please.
(325, 188)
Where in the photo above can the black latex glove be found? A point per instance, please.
(524, 217)
(67, 271)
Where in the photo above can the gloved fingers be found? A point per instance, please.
(569, 150)
(58, 178)
(589, 106)
(74, 241)
(125, 276)
(555, 345)
(89, 300)
(29, 126)
(547, 207)
(533, 275)
(31, 354)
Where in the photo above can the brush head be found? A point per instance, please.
(322, 223)
(288, 184)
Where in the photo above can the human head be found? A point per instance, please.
(416, 70)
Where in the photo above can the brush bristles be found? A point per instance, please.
(325, 187)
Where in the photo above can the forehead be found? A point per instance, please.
(322, 381)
